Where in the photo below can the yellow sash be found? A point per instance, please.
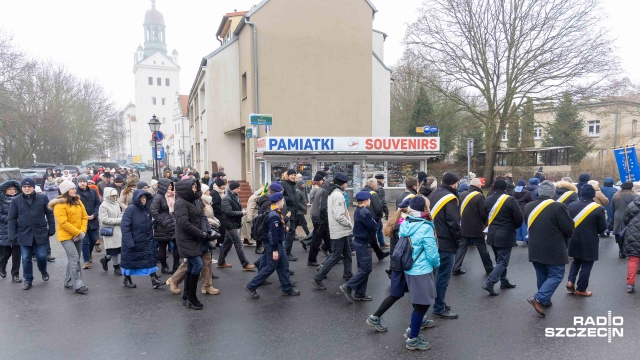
(565, 196)
(441, 203)
(496, 207)
(584, 213)
(536, 211)
(466, 201)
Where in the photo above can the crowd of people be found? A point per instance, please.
(435, 221)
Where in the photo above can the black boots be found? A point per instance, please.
(128, 283)
(116, 270)
(192, 299)
(185, 292)
(104, 261)
(165, 270)
(155, 281)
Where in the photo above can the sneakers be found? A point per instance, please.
(86, 266)
(318, 284)
(417, 343)
(426, 323)
(26, 285)
(630, 289)
(362, 298)
(252, 293)
(347, 292)
(16, 279)
(82, 291)
(376, 323)
(45, 276)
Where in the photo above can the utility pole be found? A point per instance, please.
(469, 155)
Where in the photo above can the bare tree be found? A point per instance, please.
(505, 51)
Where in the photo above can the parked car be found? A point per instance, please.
(110, 165)
(138, 167)
(35, 174)
(42, 166)
(10, 174)
(71, 168)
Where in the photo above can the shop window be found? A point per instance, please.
(278, 169)
(398, 171)
(374, 168)
(334, 167)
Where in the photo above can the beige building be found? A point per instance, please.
(316, 66)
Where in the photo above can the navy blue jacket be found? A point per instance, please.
(30, 219)
(91, 203)
(276, 224)
(5, 201)
(138, 251)
(585, 241)
(363, 224)
(608, 191)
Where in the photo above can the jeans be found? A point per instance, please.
(522, 233)
(194, 265)
(340, 248)
(232, 237)
(502, 254)
(380, 234)
(281, 266)
(27, 252)
(549, 277)
(73, 277)
(320, 236)
(482, 250)
(363, 258)
(12, 252)
(584, 267)
(443, 275)
(88, 243)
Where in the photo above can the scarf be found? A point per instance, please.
(171, 200)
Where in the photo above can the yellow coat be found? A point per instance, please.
(71, 220)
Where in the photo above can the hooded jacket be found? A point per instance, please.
(632, 221)
(474, 218)
(110, 215)
(502, 231)
(188, 213)
(30, 220)
(533, 190)
(447, 220)
(91, 202)
(290, 196)
(138, 250)
(71, 220)
(165, 225)
(585, 241)
(550, 232)
(423, 243)
(523, 197)
(608, 190)
(5, 201)
(582, 180)
(564, 186)
(619, 204)
(383, 198)
(50, 188)
(340, 224)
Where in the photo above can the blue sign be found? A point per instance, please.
(426, 129)
(433, 129)
(159, 153)
(158, 136)
(627, 160)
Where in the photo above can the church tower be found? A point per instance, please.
(154, 32)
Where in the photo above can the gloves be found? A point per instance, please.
(215, 235)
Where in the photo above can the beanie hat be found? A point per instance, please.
(323, 173)
(291, 172)
(422, 176)
(363, 196)
(300, 183)
(275, 197)
(584, 178)
(449, 178)
(417, 203)
(234, 185)
(608, 181)
(66, 186)
(206, 173)
(500, 185)
(463, 186)
(220, 183)
(82, 178)
(276, 187)
(318, 177)
(587, 192)
(547, 189)
(534, 181)
(340, 179)
(204, 188)
(521, 182)
(154, 182)
(142, 185)
(476, 182)
(379, 176)
(28, 182)
(196, 175)
(627, 185)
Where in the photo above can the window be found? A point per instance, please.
(537, 132)
(153, 100)
(634, 128)
(150, 80)
(594, 128)
(163, 101)
(244, 86)
(505, 135)
(166, 82)
(398, 171)
(159, 81)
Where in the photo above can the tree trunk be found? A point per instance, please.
(491, 145)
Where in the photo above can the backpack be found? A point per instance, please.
(259, 226)
(402, 259)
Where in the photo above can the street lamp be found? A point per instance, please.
(154, 125)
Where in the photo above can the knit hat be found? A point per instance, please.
(275, 197)
(587, 192)
(500, 185)
(379, 176)
(475, 182)
(154, 182)
(66, 186)
(521, 182)
(417, 203)
(204, 188)
(206, 173)
(422, 176)
(608, 181)
(363, 195)
(196, 175)
(323, 173)
(340, 179)
(449, 178)
(276, 187)
(547, 189)
(220, 183)
(82, 178)
(142, 185)
(28, 182)
(300, 183)
(234, 185)
(221, 174)
(534, 181)
(291, 172)
(318, 177)
(627, 185)
(584, 178)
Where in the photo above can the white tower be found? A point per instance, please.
(157, 80)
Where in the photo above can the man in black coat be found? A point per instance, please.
(445, 213)
(550, 227)
(91, 202)
(290, 200)
(232, 222)
(216, 204)
(473, 216)
(504, 218)
(589, 219)
(320, 220)
(411, 184)
(31, 223)
(383, 196)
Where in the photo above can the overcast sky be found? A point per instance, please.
(97, 39)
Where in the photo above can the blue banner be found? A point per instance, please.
(627, 160)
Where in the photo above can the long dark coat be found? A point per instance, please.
(165, 226)
(585, 241)
(188, 213)
(138, 250)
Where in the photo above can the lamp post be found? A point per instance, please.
(154, 125)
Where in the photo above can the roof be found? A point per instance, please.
(237, 13)
(384, 34)
(225, 19)
(184, 104)
(153, 16)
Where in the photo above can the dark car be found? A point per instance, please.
(42, 166)
(35, 174)
(78, 169)
(99, 164)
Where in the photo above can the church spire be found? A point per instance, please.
(154, 32)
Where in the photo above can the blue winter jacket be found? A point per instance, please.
(423, 240)
(138, 251)
(608, 191)
(5, 201)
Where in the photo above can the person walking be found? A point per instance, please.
(377, 210)
(211, 226)
(523, 197)
(71, 226)
(445, 212)
(608, 190)
(91, 202)
(340, 227)
(31, 224)
(364, 229)
(533, 188)
(411, 188)
(247, 221)
(473, 221)
(110, 216)
(126, 196)
(8, 248)
(589, 220)
(504, 218)
(274, 251)
(289, 186)
(320, 220)
(217, 190)
(566, 192)
(583, 179)
(620, 203)
(162, 210)
(301, 208)
(632, 242)
(550, 227)
(138, 250)
(232, 222)
(385, 208)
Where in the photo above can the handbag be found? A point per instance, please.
(106, 231)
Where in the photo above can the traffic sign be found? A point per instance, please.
(261, 119)
(433, 129)
(426, 129)
(248, 134)
(158, 136)
(159, 153)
